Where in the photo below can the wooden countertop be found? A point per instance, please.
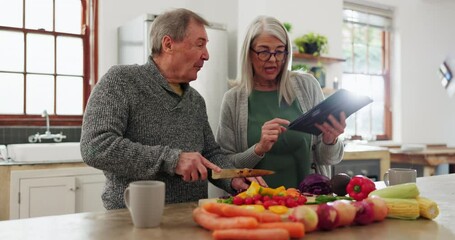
(177, 223)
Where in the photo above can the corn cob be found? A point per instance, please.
(405, 190)
(402, 208)
(428, 208)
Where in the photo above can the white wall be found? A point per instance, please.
(422, 111)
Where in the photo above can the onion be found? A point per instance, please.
(315, 184)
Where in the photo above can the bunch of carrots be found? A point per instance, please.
(234, 222)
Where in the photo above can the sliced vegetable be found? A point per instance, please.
(359, 187)
(253, 189)
(406, 190)
(327, 198)
(278, 209)
(428, 208)
(315, 184)
(254, 207)
(402, 208)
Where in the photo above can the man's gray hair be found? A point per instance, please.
(174, 24)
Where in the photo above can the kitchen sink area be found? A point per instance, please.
(43, 152)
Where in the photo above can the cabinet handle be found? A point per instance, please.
(74, 189)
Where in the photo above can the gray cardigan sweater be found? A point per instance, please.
(135, 127)
(232, 130)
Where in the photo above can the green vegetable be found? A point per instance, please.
(406, 190)
(328, 198)
(225, 200)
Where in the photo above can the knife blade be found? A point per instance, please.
(245, 172)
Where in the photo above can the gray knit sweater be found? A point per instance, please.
(135, 127)
(232, 131)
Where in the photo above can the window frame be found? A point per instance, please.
(89, 34)
(386, 63)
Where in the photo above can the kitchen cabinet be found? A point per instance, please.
(49, 189)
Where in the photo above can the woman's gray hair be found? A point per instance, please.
(272, 26)
(173, 24)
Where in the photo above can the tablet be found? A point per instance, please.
(340, 101)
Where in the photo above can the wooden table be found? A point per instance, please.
(177, 223)
(429, 158)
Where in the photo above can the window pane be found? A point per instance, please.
(40, 94)
(347, 54)
(69, 56)
(68, 16)
(363, 121)
(69, 95)
(11, 13)
(375, 60)
(360, 58)
(12, 96)
(375, 37)
(40, 53)
(12, 51)
(38, 14)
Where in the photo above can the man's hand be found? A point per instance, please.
(192, 166)
(241, 184)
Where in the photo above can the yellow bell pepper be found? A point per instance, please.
(278, 209)
(254, 207)
(267, 191)
(280, 191)
(253, 189)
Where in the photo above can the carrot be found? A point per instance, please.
(212, 221)
(228, 210)
(214, 207)
(295, 229)
(251, 234)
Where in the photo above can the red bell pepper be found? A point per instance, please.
(359, 187)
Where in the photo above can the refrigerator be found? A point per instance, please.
(212, 80)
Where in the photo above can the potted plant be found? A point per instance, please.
(312, 43)
(287, 26)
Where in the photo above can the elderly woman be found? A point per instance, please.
(266, 97)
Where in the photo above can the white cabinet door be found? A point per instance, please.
(88, 193)
(47, 196)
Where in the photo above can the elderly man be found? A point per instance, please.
(145, 121)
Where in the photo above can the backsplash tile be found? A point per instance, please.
(12, 135)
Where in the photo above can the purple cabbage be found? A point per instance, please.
(315, 184)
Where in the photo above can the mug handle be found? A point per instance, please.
(386, 178)
(126, 196)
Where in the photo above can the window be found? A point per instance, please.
(47, 60)
(366, 48)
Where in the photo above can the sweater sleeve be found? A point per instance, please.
(103, 144)
(229, 136)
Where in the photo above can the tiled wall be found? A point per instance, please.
(10, 135)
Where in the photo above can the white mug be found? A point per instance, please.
(396, 176)
(3, 153)
(145, 201)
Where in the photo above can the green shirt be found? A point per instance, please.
(290, 155)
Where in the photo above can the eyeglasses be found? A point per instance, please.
(266, 55)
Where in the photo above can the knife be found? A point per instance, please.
(245, 172)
